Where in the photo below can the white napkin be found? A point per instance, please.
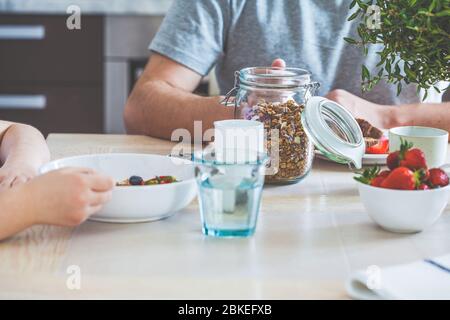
(423, 280)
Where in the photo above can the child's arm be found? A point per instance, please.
(65, 197)
(14, 216)
(22, 151)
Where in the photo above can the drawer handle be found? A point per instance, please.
(23, 102)
(22, 32)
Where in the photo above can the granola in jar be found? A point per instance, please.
(295, 150)
(276, 97)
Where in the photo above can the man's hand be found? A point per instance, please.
(434, 115)
(278, 63)
(378, 115)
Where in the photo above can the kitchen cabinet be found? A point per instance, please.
(52, 77)
(54, 108)
(58, 55)
(78, 81)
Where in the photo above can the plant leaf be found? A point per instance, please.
(354, 15)
(350, 40)
(365, 73)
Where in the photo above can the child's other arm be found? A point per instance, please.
(22, 151)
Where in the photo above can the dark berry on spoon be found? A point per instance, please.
(136, 181)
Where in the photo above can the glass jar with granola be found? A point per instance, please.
(276, 97)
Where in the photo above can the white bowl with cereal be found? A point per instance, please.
(138, 203)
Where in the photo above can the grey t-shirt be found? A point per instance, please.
(234, 34)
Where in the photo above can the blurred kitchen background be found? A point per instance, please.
(62, 80)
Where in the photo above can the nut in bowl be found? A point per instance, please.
(138, 203)
(408, 197)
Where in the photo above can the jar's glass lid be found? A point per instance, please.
(334, 131)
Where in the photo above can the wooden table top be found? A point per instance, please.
(310, 237)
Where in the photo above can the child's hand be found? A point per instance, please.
(13, 175)
(67, 197)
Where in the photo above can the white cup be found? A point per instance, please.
(238, 141)
(433, 142)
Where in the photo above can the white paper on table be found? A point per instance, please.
(421, 280)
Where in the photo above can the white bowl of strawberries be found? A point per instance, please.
(407, 197)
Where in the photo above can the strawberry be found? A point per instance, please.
(414, 159)
(438, 178)
(373, 176)
(423, 186)
(394, 158)
(401, 178)
(368, 175)
(384, 173)
(377, 181)
(424, 175)
(382, 147)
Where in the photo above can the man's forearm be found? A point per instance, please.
(427, 114)
(23, 144)
(155, 108)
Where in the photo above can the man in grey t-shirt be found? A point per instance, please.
(197, 35)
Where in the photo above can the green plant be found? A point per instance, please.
(415, 37)
(367, 175)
